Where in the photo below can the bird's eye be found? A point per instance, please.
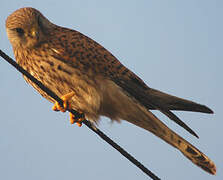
(20, 31)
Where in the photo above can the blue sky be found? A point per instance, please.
(174, 46)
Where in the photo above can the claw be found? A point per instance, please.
(66, 105)
(77, 121)
(65, 98)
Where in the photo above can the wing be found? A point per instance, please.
(80, 51)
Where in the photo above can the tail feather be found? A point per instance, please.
(153, 99)
(145, 119)
(132, 106)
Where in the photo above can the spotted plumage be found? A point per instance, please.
(67, 61)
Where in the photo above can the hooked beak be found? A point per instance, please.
(34, 32)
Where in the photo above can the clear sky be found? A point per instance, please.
(174, 46)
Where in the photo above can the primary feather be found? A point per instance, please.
(65, 60)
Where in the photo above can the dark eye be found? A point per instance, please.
(20, 31)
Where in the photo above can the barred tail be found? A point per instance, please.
(145, 119)
(196, 156)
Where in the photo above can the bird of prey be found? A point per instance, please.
(92, 81)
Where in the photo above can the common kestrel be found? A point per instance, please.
(92, 81)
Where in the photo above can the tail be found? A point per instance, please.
(148, 121)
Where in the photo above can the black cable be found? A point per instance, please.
(78, 115)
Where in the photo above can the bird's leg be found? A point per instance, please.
(76, 120)
(65, 98)
(66, 105)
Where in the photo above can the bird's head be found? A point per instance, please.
(27, 28)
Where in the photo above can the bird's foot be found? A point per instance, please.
(66, 105)
(78, 121)
(65, 98)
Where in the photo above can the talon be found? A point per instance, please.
(66, 105)
(79, 124)
(57, 107)
(77, 121)
(72, 118)
(65, 98)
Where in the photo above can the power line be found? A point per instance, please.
(78, 115)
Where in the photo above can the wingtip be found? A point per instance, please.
(210, 111)
(201, 108)
(192, 132)
(196, 135)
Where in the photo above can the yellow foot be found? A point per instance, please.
(77, 121)
(65, 99)
(66, 105)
